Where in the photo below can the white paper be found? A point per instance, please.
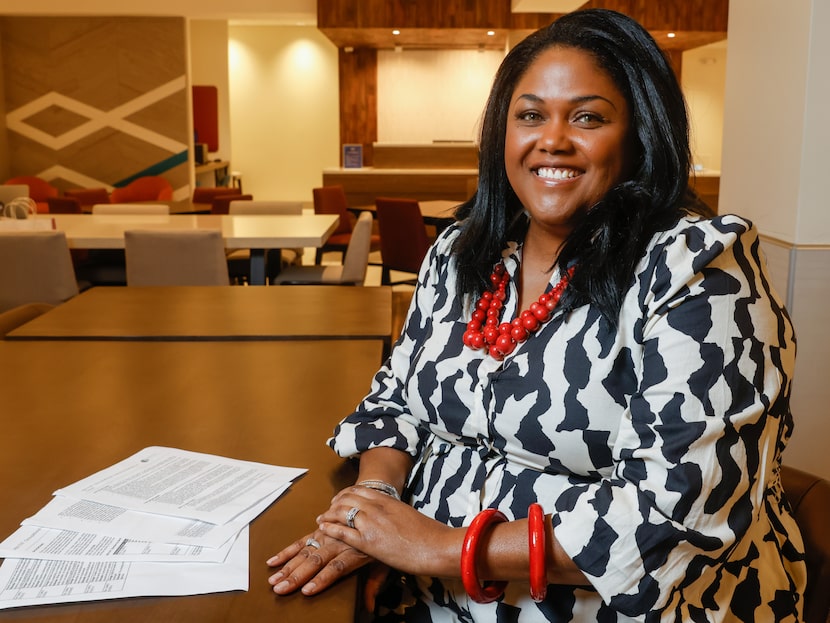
(67, 513)
(176, 482)
(52, 544)
(26, 582)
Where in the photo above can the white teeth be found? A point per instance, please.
(556, 174)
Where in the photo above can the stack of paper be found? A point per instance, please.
(162, 522)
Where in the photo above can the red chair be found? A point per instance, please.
(222, 203)
(403, 236)
(88, 196)
(64, 205)
(332, 200)
(39, 190)
(147, 188)
(206, 194)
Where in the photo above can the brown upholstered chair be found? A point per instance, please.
(809, 498)
(35, 267)
(146, 188)
(88, 196)
(63, 205)
(20, 315)
(175, 258)
(403, 236)
(222, 203)
(332, 200)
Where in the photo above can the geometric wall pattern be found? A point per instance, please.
(95, 101)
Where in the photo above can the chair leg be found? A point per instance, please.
(318, 256)
(385, 276)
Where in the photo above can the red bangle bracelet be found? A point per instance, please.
(490, 591)
(536, 542)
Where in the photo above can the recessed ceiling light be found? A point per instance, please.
(396, 32)
(671, 35)
(491, 33)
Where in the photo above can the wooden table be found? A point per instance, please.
(254, 232)
(73, 408)
(211, 313)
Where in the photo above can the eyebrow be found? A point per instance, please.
(576, 100)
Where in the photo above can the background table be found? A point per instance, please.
(218, 313)
(254, 232)
(73, 408)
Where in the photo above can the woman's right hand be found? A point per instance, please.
(312, 569)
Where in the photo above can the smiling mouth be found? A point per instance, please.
(549, 173)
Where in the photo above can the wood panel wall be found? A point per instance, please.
(358, 71)
(92, 101)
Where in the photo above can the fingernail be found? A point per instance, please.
(281, 586)
(275, 578)
(309, 588)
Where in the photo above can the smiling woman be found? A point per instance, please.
(585, 413)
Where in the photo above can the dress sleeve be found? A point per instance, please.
(712, 353)
(383, 417)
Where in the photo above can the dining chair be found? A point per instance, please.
(204, 195)
(131, 208)
(332, 200)
(39, 189)
(63, 205)
(239, 260)
(88, 196)
(175, 258)
(145, 188)
(20, 315)
(222, 203)
(403, 237)
(351, 272)
(809, 498)
(35, 267)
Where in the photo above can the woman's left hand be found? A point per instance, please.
(392, 532)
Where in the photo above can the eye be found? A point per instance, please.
(588, 119)
(529, 116)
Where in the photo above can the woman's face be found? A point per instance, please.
(567, 138)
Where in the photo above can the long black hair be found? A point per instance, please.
(612, 235)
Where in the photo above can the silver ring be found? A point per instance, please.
(313, 543)
(353, 511)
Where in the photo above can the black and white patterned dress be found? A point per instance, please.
(655, 447)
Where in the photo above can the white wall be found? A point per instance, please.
(427, 95)
(704, 79)
(775, 151)
(284, 109)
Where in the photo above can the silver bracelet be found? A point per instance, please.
(379, 485)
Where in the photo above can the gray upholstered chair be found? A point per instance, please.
(35, 267)
(351, 272)
(175, 258)
(239, 260)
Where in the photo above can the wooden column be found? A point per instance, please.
(359, 99)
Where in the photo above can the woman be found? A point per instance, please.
(641, 400)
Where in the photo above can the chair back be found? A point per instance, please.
(175, 258)
(265, 207)
(403, 235)
(146, 188)
(63, 205)
(131, 208)
(222, 203)
(356, 259)
(206, 194)
(88, 196)
(35, 267)
(809, 498)
(332, 200)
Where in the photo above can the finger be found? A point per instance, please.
(287, 553)
(299, 570)
(342, 565)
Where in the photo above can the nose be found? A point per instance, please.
(555, 136)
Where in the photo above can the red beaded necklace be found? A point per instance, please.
(501, 339)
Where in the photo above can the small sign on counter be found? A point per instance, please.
(352, 156)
